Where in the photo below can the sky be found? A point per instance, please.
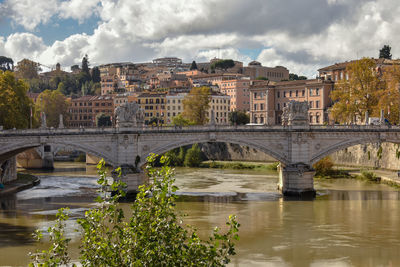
(300, 35)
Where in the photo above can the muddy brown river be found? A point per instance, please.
(350, 222)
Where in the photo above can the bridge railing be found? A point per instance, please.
(111, 130)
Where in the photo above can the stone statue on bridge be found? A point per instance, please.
(295, 113)
(129, 115)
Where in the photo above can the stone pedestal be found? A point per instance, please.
(296, 180)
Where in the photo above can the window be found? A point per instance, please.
(311, 92)
(255, 95)
(303, 92)
(261, 106)
(279, 107)
(255, 106)
(290, 93)
(297, 93)
(284, 105)
(278, 94)
(284, 93)
(317, 91)
(311, 104)
(317, 104)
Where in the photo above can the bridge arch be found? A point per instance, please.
(348, 143)
(170, 146)
(16, 148)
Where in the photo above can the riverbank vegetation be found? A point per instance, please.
(194, 157)
(152, 234)
(324, 169)
(240, 165)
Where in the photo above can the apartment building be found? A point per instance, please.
(219, 104)
(267, 99)
(174, 105)
(81, 113)
(153, 105)
(83, 110)
(238, 91)
(255, 69)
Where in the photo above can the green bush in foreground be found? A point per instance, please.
(151, 235)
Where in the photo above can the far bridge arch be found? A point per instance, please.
(16, 148)
(349, 143)
(161, 149)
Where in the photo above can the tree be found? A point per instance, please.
(385, 52)
(103, 120)
(295, 77)
(193, 156)
(85, 65)
(6, 63)
(15, 105)
(223, 64)
(27, 69)
(239, 117)
(152, 234)
(196, 105)
(193, 66)
(358, 94)
(179, 120)
(389, 97)
(262, 78)
(96, 75)
(52, 103)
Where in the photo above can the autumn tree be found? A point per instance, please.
(385, 52)
(27, 69)
(103, 120)
(14, 103)
(358, 94)
(52, 103)
(196, 105)
(389, 97)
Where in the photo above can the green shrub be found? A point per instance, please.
(80, 158)
(193, 157)
(323, 167)
(152, 235)
(370, 176)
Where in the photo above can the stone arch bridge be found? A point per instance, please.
(295, 147)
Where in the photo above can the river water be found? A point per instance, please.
(350, 223)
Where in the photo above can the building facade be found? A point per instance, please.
(153, 105)
(238, 91)
(267, 100)
(83, 110)
(255, 70)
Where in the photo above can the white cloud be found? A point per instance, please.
(23, 45)
(301, 35)
(30, 13)
(78, 9)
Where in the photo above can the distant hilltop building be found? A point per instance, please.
(276, 74)
(47, 76)
(167, 62)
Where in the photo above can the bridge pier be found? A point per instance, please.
(296, 180)
(8, 170)
(132, 178)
